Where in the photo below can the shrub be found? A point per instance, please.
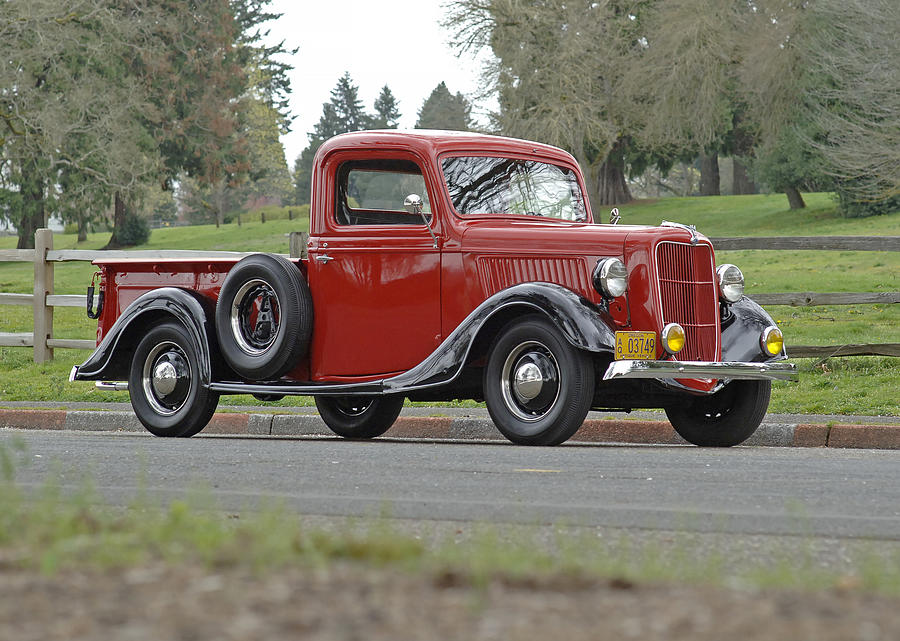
(135, 231)
(852, 208)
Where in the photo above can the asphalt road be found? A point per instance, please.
(746, 490)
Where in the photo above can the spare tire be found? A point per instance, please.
(264, 317)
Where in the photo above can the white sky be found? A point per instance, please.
(395, 42)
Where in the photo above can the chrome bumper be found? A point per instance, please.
(700, 369)
(106, 386)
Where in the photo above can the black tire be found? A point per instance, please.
(359, 417)
(538, 388)
(164, 384)
(728, 417)
(268, 398)
(264, 317)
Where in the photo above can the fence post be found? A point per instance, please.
(43, 287)
(298, 244)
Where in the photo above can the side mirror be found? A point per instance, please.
(413, 205)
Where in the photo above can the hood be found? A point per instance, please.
(562, 238)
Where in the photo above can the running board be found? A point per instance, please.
(373, 388)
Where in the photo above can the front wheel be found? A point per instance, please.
(359, 417)
(728, 417)
(538, 388)
(164, 383)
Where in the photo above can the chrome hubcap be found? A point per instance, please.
(166, 378)
(530, 381)
(255, 317)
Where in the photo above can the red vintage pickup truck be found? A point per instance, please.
(447, 266)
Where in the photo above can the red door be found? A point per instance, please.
(374, 272)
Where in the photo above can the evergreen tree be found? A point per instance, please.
(303, 172)
(348, 108)
(387, 114)
(342, 114)
(443, 110)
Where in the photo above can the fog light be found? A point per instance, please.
(772, 341)
(673, 338)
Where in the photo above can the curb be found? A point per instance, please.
(769, 434)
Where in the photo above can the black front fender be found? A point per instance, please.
(112, 358)
(742, 331)
(578, 319)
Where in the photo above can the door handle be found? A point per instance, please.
(324, 258)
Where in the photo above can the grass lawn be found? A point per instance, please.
(839, 386)
(756, 215)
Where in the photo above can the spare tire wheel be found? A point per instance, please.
(264, 317)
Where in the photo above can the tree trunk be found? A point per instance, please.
(217, 197)
(33, 213)
(741, 183)
(82, 230)
(607, 183)
(794, 198)
(687, 184)
(28, 224)
(709, 174)
(118, 222)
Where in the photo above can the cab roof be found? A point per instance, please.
(432, 143)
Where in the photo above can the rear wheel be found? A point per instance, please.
(164, 385)
(538, 388)
(359, 417)
(728, 417)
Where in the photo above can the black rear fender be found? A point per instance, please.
(112, 358)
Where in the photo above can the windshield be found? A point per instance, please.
(504, 186)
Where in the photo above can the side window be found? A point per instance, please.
(371, 192)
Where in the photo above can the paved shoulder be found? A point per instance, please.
(472, 423)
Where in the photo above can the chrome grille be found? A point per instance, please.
(687, 290)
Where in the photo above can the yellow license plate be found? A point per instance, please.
(635, 345)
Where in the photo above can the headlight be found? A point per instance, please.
(771, 341)
(731, 283)
(610, 277)
(673, 338)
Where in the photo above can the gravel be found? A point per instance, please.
(354, 603)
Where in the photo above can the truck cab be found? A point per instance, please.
(446, 265)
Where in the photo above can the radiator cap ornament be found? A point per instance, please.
(695, 237)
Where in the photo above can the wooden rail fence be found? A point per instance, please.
(812, 299)
(44, 257)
